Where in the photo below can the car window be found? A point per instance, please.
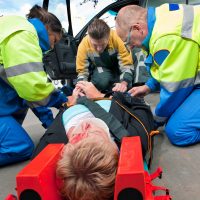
(109, 18)
(22, 7)
(58, 8)
(81, 13)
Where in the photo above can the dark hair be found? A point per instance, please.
(98, 29)
(46, 17)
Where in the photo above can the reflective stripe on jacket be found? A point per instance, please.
(174, 45)
(21, 57)
(21, 67)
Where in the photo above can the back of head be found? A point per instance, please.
(88, 170)
(98, 29)
(129, 15)
(46, 17)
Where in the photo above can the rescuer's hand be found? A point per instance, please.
(139, 91)
(120, 87)
(88, 89)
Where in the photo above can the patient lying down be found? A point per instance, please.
(89, 162)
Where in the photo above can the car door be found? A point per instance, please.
(60, 63)
(111, 10)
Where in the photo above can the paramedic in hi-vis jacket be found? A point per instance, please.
(171, 36)
(23, 81)
(103, 59)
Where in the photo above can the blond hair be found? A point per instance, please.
(88, 170)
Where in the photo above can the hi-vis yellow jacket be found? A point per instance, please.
(174, 46)
(22, 76)
(21, 59)
(118, 56)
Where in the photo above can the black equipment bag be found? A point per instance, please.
(60, 62)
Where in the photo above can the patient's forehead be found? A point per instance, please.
(93, 128)
(89, 124)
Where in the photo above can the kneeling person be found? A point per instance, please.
(93, 132)
(89, 162)
(103, 59)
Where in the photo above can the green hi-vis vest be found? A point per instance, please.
(178, 32)
(21, 59)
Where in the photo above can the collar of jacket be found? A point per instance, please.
(151, 18)
(42, 34)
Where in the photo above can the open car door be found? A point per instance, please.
(60, 62)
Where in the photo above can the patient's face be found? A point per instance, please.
(91, 129)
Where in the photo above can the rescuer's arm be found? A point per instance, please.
(175, 68)
(25, 73)
(125, 63)
(82, 61)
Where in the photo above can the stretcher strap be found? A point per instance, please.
(149, 135)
